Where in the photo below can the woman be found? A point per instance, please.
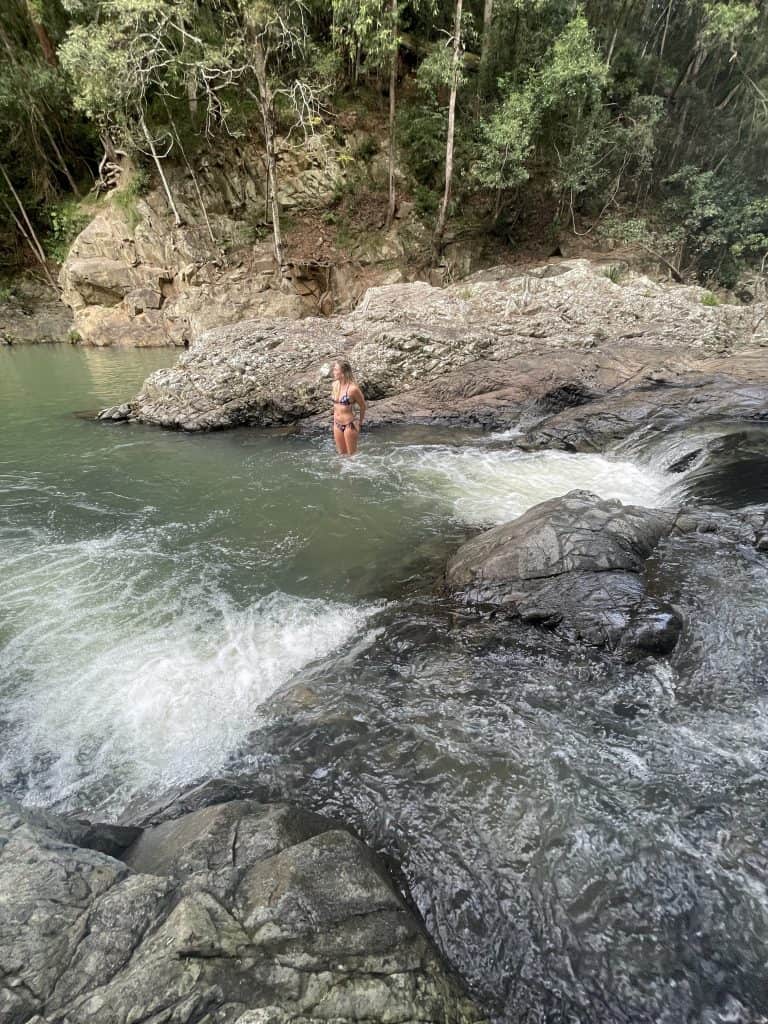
(346, 394)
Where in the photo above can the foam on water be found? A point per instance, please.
(118, 671)
(483, 487)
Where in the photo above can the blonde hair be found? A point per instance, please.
(346, 370)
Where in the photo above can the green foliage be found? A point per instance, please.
(723, 222)
(421, 130)
(614, 273)
(425, 201)
(506, 142)
(728, 22)
(708, 299)
(66, 220)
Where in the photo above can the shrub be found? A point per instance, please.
(66, 219)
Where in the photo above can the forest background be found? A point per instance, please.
(642, 121)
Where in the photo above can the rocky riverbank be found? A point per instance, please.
(32, 313)
(238, 912)
(576, 358)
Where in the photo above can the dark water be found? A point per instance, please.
(585, 840)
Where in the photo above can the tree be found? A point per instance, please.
(276, 36)
(437, 238)
(371, 28)
(506, 143)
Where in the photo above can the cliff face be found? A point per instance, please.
(134, 277)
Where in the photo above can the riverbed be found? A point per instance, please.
(584, 839)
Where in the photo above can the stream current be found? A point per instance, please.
(585, 840)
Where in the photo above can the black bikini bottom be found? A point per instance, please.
(343, 426)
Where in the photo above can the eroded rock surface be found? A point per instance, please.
(573, 563)
(236, 912)
(579, 564)
(545, 346)
(32, 314)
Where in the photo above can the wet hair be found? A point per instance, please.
(346, 370)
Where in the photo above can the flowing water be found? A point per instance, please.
(585, 840)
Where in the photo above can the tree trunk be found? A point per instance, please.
(159, 166)
(46, 44)
(266, 104)
(392, 87)
(191, 170)
(192, 98)
(485, 52)
(437, 238)
(59, 157)
(29, 231)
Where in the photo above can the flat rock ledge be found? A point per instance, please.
(241, 912)
(501, 344)
(578, 564)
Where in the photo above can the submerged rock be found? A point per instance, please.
(237, 912)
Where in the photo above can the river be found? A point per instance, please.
(585, 840)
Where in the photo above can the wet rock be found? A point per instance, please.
(656, 407)
(653, 630)
(574, 564)
(235, 912)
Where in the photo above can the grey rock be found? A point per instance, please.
(549, 347)
(235, 912)
(573, 564)
(579, 565)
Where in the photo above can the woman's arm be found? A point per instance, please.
(357, 396)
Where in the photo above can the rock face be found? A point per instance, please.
(550, 342)
(218, 268)
(33, 314)
(239, 912)
(580, 565)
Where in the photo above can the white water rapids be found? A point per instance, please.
(127, 663)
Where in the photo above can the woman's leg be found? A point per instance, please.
(351, 438)
(340, 439)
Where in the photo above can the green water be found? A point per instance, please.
(156, 587)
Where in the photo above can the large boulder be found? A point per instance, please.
(500, 345)
(237, 912)
(574, 564)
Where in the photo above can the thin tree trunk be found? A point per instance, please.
(159, 166)
(192, 97)
(46, 45)
(485, 52)
(663, 44)
(29, 232)
(59, 157)
(437, 239)
(189, 167)
(615, 35)
(266, 104)
(392, 87)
